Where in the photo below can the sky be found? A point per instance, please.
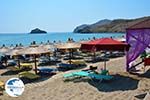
(21, 16)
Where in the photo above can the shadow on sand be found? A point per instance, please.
(9, 73)
(118, 83)
(37, 80)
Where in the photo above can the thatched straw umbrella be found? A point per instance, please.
(14, 52)
(3, 50)
(34, 50)
(49, 47)
(69, 46)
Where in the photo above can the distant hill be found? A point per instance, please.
(106, 25)
(37, 31)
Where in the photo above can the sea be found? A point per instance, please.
(25, 39)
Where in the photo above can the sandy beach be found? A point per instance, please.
(75, 50)
(124, 86)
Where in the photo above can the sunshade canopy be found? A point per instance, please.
(104, 44)
(33, 50)
(69, 45)
(4, 50)
(14, 51)
(50, 47)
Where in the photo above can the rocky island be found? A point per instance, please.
(37, 31)
(108, 26)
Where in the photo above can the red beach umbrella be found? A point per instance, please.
(104, 44)
(108, 44)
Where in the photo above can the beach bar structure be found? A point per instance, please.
(138, 36)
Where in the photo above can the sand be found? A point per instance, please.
(124, 86)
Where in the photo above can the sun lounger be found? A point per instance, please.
(11, 63)
(76, 74)
(67, 66)
(46, 70)
(28, 77)
(2, 66)
(55, 59)
(25, 64)
(79, 63)
(92, 75)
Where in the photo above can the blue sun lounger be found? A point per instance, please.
(77, 74)
(67, 66)
(89, 74)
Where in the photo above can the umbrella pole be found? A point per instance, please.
(49, 57)
(35, 64)
(5, 61)
(72, 53)
(69, 56)
(104, 65)
(94, 55)
(19, 63)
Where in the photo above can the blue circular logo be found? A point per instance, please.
(14, 87)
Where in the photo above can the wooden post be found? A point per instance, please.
(35, 64)
(69, 56)
(19, 63)
(94, 56)
(104, 65)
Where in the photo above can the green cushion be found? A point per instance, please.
(28, 75)
(104, 72)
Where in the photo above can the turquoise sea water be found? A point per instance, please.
(26, 39)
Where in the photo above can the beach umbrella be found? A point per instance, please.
(1, 55)
(4, 49)
(105, 44)
(108, 44)
(14, 52)
(50, 47)
(34, 50)
(69, 46)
